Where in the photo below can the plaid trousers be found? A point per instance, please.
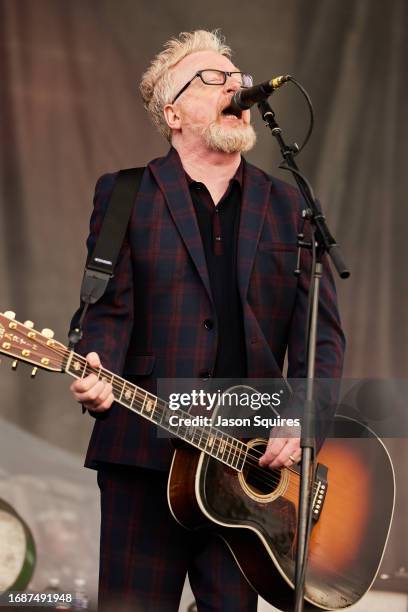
(145, 554)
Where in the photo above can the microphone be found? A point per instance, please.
(245, 98)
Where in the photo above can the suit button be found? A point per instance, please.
(208, 324)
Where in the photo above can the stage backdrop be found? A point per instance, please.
(70, 111)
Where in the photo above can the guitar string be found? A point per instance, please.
(262, 475)
(265, 474)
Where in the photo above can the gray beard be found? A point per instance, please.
(229, 140)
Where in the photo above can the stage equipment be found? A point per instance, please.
(320, 242)
(245, 98)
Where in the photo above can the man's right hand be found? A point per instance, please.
(95, 395)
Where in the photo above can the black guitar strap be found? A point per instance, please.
(100, 266)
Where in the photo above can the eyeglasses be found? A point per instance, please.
(218, 77)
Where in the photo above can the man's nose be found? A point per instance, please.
(232, 84)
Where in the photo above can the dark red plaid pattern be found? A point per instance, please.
(145, 553)
(150, 322)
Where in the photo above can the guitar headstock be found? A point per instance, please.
(22, 342)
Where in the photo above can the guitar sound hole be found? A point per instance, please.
(261, 481)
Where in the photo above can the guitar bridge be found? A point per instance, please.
(319, 491)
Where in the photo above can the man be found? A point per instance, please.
(203, 287)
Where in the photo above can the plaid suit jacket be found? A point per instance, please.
(149, 323)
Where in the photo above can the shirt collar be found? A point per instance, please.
(238, 176)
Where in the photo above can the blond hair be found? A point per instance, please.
(157, 87)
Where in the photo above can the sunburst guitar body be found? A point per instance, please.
(353, 505)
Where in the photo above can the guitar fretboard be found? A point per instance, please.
(213, 441)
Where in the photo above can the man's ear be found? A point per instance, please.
(172, 117)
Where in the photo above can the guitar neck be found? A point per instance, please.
(213, 441)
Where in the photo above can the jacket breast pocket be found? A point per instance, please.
(275, 263)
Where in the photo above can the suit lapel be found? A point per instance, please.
(170, 177)
(255, 198)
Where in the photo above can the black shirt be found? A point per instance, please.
(219, 226)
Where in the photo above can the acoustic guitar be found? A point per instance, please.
(216, 482)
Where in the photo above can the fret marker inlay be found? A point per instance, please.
(217, 444)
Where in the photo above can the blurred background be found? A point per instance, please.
(70, 111)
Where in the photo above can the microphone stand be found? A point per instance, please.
(322, 242)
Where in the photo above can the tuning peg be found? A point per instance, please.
(33, 372)
(29, 324)
(10, 314)
(14, 364)
(48, 333)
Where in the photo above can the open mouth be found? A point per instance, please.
(228, 111)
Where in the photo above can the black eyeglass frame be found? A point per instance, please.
(224, 72)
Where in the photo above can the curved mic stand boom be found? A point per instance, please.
(322, 242)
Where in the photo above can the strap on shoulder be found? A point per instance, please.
(101, 265)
